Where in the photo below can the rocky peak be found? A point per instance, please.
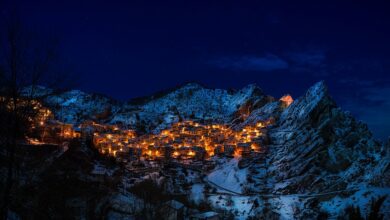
(35, 91)
(311, 107)
(317, 91)
(192, 85)
(253, 89)
(314, 136)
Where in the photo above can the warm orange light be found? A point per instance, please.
(287, 99)
(255, 147)
(34, 141)
(179, 135)
(237, 153)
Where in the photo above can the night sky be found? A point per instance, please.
(127, 49)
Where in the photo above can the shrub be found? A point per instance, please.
(353, 212)
(375, 208)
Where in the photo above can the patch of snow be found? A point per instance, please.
(197, 193)
(361, 198)
(286, 205)
(240, 206)
(99, 169)
(229, 176)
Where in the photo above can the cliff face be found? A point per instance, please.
(317, 149)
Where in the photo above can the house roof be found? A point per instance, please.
(205, 215)
(174, 204)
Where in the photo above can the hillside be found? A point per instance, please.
(315, 158)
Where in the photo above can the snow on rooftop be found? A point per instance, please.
(175, 204)
(197, 193)
(99, 169)
(206, 215)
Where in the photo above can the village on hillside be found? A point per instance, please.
(186, 145)
(184, 142)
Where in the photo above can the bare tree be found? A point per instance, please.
(25, 61)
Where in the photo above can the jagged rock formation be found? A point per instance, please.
(323, 142)
(316, 148)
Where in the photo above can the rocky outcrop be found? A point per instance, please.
(316, 148)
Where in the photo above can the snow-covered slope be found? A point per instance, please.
(229, 177)
(75, 106)
(191, 101)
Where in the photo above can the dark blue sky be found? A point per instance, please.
(127, 49)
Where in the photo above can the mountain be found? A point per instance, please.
(191, 101)
(74, 106)
(317, 158)
(316, 148)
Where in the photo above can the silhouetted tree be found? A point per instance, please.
(24, 63)
(375, 209)
(353, 212)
